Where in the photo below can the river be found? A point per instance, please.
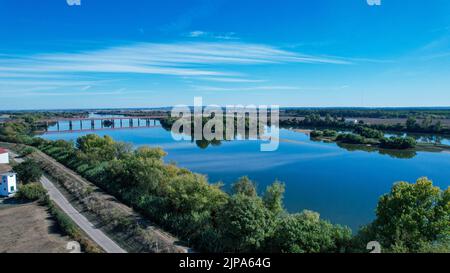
(343, 185)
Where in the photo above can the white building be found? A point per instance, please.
(4, 157)
(8, 184)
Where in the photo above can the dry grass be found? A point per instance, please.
(30, 228)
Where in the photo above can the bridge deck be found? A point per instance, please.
(103, 118)
(100, 129)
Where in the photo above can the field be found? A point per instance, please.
(29, 228)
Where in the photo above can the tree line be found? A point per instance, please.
(412, 125)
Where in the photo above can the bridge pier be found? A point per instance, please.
(81, 125)
(70, 125)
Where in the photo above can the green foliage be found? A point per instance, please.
(273, 197)
(398, 143)
(351, 139)
(411, 218)
(244, 223)
(244, 186)
(329, 133)
(306, 233)
(28, 171)
(32, 192)
(316, 134)
(369, 132)
(99, 148)
(27, 151)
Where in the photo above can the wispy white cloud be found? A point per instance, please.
(206, 61)
(230, 79)
(170, 59)
(268, 88)
(196, 33)
(212, 35)
(246, 88)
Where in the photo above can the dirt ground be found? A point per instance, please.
(29, 228)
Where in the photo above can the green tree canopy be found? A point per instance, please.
(28, 171)
(244, 223)
(244, 186)
(273, 197)
(306, 233)
(411, 216)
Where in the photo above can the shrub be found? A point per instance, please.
(329, 133)
(28, 171)
(316, 134)
(306, 233)
(398, 143)
(351, 139)
(32, 192)
(369, 132)
(27, 151)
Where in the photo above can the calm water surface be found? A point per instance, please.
(343, 186)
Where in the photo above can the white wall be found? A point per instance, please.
(4, 158)
(6, 182)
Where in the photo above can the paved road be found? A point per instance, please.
(94, 233)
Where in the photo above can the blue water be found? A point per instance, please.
(342, 186)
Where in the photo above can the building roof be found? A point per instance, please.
(2, 151)
(7, 174)
(4, 168)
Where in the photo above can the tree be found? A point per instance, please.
(28, 171)
(273, 197)
(244, 223)
(398, 143)
(148, 152)
(411, 217)
(411, 123)
(244, 186)
(306, 233)
(351, 139)
(97, 148)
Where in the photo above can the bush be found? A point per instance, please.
(32, 192)
(329, 133)
(28, 171)
(316, 134)
(306, 233)
(369, 132)
(351, 139)
(27, 151)
(398, 143)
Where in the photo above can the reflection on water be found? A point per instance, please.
(423, 138)
(342, 183)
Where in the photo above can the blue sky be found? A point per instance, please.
(160, 53)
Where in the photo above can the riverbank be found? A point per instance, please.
(117, 220)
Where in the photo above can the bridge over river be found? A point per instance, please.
(69, 125)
